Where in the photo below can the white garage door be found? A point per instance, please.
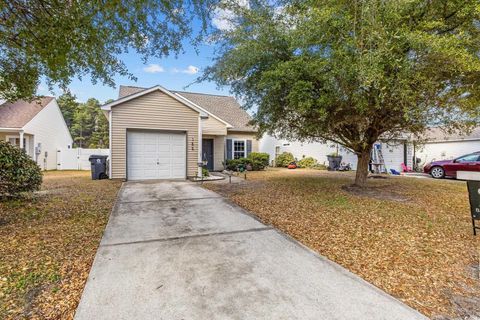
(393, 154)
(156, 155)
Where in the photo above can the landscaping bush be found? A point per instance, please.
(284, 159)
(18, 173)
(255, 160)
(233, 164)
(308, 162)
(205, 172)
(320, 166)
(258, 160)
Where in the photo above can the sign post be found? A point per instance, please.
(473, 186)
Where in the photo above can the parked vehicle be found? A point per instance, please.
(448, 168)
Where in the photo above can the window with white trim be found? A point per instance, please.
(239, 149)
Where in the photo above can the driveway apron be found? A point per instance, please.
(173, 250)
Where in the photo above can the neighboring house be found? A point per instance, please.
(157, 133)
(442, 146)
(435, 145)
(37, 127)
(394, 152)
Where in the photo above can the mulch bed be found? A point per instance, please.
(48, 244)
(410, 237)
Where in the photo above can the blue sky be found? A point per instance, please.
(172, 73)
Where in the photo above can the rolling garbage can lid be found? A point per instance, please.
(97, 156)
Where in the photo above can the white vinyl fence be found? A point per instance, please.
(77, 159)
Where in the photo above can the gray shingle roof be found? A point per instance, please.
(224, 107)
(437, 134)
(19, 113)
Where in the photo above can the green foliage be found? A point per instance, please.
(205, 172)
(18, 173)
(68, 104)
(284, 159)
(308, 162)
(258, 160)
(57, 40)
(351, 71)
(88, 126)
(320, 166)
(233, 164)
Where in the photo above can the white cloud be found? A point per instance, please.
(223, 19)
(153, 68)
(189, 70)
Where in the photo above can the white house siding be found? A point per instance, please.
(393, 152)
(49, 129)
(446, 150)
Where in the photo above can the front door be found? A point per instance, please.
(207, 153)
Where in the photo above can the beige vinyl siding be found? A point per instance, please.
(245, 136)
(155, 111)
(218, 151)
(213, 126)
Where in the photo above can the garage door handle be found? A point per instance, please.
(158, 162)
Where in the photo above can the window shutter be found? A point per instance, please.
(229, 149)
(249, 147)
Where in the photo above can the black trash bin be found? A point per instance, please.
(98, 166)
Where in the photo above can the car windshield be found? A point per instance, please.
(468, 158)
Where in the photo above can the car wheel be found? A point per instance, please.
(437, 172)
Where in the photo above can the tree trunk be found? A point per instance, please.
(362, 167)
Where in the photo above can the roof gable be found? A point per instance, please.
(108, 106)
(17, 114)
(224, 108)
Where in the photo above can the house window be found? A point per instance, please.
(239, 149)
(16, 141)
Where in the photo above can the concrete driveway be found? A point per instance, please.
(173, 250)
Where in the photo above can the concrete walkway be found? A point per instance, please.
(173, 250)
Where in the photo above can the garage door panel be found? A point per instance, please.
(156, 155)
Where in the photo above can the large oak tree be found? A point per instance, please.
(56, 40)
(353, 71)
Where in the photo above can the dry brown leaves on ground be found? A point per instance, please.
(48, 244)
(414, 240)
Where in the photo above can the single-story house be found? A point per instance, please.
(157, 133)
(394, 152)
(36, 126)
(439, 145)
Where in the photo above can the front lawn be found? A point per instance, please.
(410, 237)
(48, 244)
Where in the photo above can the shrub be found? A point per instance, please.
(233, 164)
(320, 166)
(308, 162)
(205, 172)
(258, 160)
(284, 159)
(18, 173)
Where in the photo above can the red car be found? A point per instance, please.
(449, 168)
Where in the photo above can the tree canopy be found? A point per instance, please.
(353, 72)
(58, 40)
(86, 121)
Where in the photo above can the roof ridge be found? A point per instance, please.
(182, 91)
(205, 94)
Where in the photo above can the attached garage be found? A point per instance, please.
(153, 135)
(156, 155)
